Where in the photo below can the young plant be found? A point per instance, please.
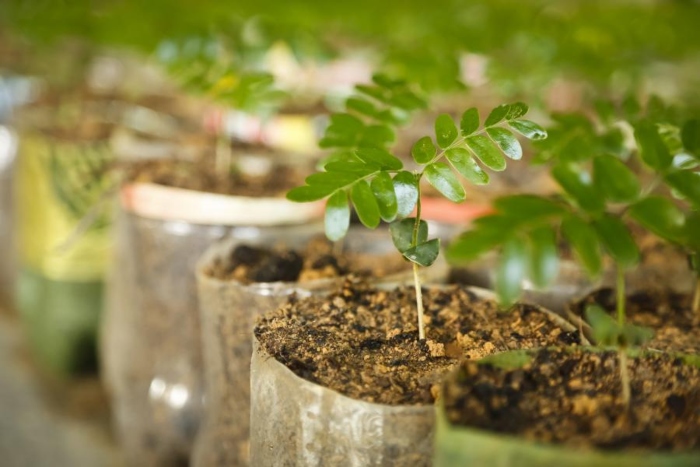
(620, 335)
(366, 175)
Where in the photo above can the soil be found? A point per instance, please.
(201, 175)
(363, 342)
(669, 314)
(252, 280)
(573, 397)
(319, 259)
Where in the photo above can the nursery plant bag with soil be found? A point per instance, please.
(151, 335)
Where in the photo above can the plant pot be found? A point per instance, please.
(61, 273)
(381, 412)
(669, 314)
(8, 146)
(489, 438)
(151, 336)
(228, 308)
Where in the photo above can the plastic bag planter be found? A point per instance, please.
(151, 357)
(462, 446)
(326, 428)
(8, 146)
(62, 273)
(297, 422)
(228, 310)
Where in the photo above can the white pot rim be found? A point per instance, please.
(168, 203)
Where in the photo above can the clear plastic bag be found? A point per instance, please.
(298, 423)
(228, 310)
(151, 356)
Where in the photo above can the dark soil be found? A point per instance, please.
(573, 397)
(363, 342)
(669, 314)
(318, 260)
(201, 175)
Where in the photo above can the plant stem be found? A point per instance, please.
(696, 297)
(624, 376)
(419, 302)
(620, 296)
(416, 276)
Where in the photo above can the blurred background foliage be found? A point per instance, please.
(611, 47)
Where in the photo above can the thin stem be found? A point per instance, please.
(624, 376)
(419, 302)
(696, 297)
(416, 276)
(620, 296)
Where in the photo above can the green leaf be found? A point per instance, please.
(470, 121)
(544, 260)
(636, 335)
(383, 189)
(487, 152)
(605, 329)
(511, 271)
(375, 92)
(584, 241)
(354, 167)
(337, 219)
(423, 254)
(508, 143)
(527, 207)
(441, 177)
(362, 106)
(464, 163)
(333, 180)
(380, 157)
(343, 131)
(402, 233)
(406, 189)
(423, 150)
(377, 135)
(472, 244)
(691, 232)
(516, 110)
(305, 194)
(690, 135)
(616, 181)
(365, 204)
(617, 239)
(652, 149)
(445, 130)
(407, 100)
(578, 185)
(497, 115)
(659, 215)
(687, 184)
(528, 129)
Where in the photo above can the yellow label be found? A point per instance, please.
(55, 189)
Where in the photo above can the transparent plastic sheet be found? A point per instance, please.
(8, 146)
(228, 311)
(298, 423)
(151, 349)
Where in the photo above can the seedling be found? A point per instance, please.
(599, 192)
(621, 336)
(367, 175)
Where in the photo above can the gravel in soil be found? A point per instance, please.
(363, 342)
(573, 397)
(200, 175)
(669, 314)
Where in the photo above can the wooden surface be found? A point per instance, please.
(45, 421)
